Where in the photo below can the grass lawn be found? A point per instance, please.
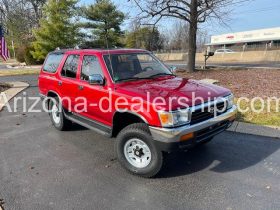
(268, 114)
(13, 72)
(249, 84)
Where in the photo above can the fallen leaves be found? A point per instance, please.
(243, 83)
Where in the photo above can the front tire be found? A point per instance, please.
(136, 151)
(57, 116)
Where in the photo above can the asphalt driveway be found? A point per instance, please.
(42, 168)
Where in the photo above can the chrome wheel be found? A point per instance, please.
(137, 153)
(55, 114)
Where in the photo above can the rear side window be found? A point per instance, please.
(70, 67)
(52, 62)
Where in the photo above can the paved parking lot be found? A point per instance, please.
(42, 168)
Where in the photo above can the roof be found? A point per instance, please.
(262, 35)
(239, 42)
(102, 51)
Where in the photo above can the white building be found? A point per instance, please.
(264, 39)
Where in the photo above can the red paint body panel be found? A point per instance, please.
(166, 87)
(173, 87)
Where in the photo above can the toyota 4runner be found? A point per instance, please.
(129, 94)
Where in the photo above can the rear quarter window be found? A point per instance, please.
(52, 62)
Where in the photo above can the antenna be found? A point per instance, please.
(110, 58)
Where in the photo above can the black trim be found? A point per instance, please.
(88, 123)
(200, 137)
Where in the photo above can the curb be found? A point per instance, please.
(210, 81)
(259, 130)
(243, 67)
(17, 87)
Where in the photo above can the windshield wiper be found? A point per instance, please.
(130, 79)
(143, 78)
(161, 74)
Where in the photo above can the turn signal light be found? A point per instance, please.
(187, 137)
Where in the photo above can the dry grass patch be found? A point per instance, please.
(14, 72)
(266, 113)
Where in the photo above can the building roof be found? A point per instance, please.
(270, 34)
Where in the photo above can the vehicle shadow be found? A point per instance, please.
(77, 127)
(227, 152)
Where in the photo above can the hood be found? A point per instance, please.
(176, 91)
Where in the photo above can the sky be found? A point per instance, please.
(252, 15)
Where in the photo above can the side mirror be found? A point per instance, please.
(96, 79)
(173, 69)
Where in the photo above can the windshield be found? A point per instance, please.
(134, 66)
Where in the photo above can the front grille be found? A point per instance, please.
(204, 112)
(211, 131)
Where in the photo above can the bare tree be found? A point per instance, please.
(178, 36)
(202, 39)
(12, 10)
(191, 11)
(19, 18)
(179, 39)
(37, 6)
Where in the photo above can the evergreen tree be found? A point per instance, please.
(57, 28)
(104, 19)
(148, 38)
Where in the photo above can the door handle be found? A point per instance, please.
(81, 87)
(59, 83)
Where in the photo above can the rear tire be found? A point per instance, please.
(57, 116)
(136, 151)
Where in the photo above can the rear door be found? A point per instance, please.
(68, 82)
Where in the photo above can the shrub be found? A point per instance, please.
(23, 54)
(20, 54)
(28, 58)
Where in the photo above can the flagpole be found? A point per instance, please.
(13, 46)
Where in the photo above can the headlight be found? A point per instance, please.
(175, 118)
(230, 99)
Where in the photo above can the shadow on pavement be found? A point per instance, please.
(227, 152)
(77, 127)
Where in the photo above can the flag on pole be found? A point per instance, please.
(4, 51)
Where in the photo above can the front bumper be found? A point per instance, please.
(169, 139)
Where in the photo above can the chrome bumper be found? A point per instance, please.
(171, 135)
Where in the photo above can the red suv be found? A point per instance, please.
(129, 94)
